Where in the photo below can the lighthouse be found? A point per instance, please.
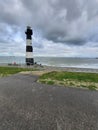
(29, 48)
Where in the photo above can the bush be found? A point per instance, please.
(50, 82)
(92, 87)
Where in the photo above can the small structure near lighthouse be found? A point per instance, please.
(29, 48)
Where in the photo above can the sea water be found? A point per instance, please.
(54, 61)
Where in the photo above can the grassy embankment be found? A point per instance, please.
(71, 79)
(5, 71)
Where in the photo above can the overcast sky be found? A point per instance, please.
(61, 27)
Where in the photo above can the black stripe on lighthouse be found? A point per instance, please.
(29, 48)
(29, 37)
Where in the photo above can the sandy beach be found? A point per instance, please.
(72, 69)
(45, 69)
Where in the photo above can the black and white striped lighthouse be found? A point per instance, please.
(29, 48)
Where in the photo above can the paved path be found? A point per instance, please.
(27, 105)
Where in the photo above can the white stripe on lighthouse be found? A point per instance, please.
(29, 55)
(29, 42)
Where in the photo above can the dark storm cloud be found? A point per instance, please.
(72, 7)
(64, 21)
(77, 41)
(58, 38)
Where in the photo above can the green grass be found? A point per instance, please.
(77, 79)
(50, 82)
(5, 71)
(80, 76)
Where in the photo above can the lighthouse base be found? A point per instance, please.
(29, 61)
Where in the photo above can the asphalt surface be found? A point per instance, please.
(28, 105)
